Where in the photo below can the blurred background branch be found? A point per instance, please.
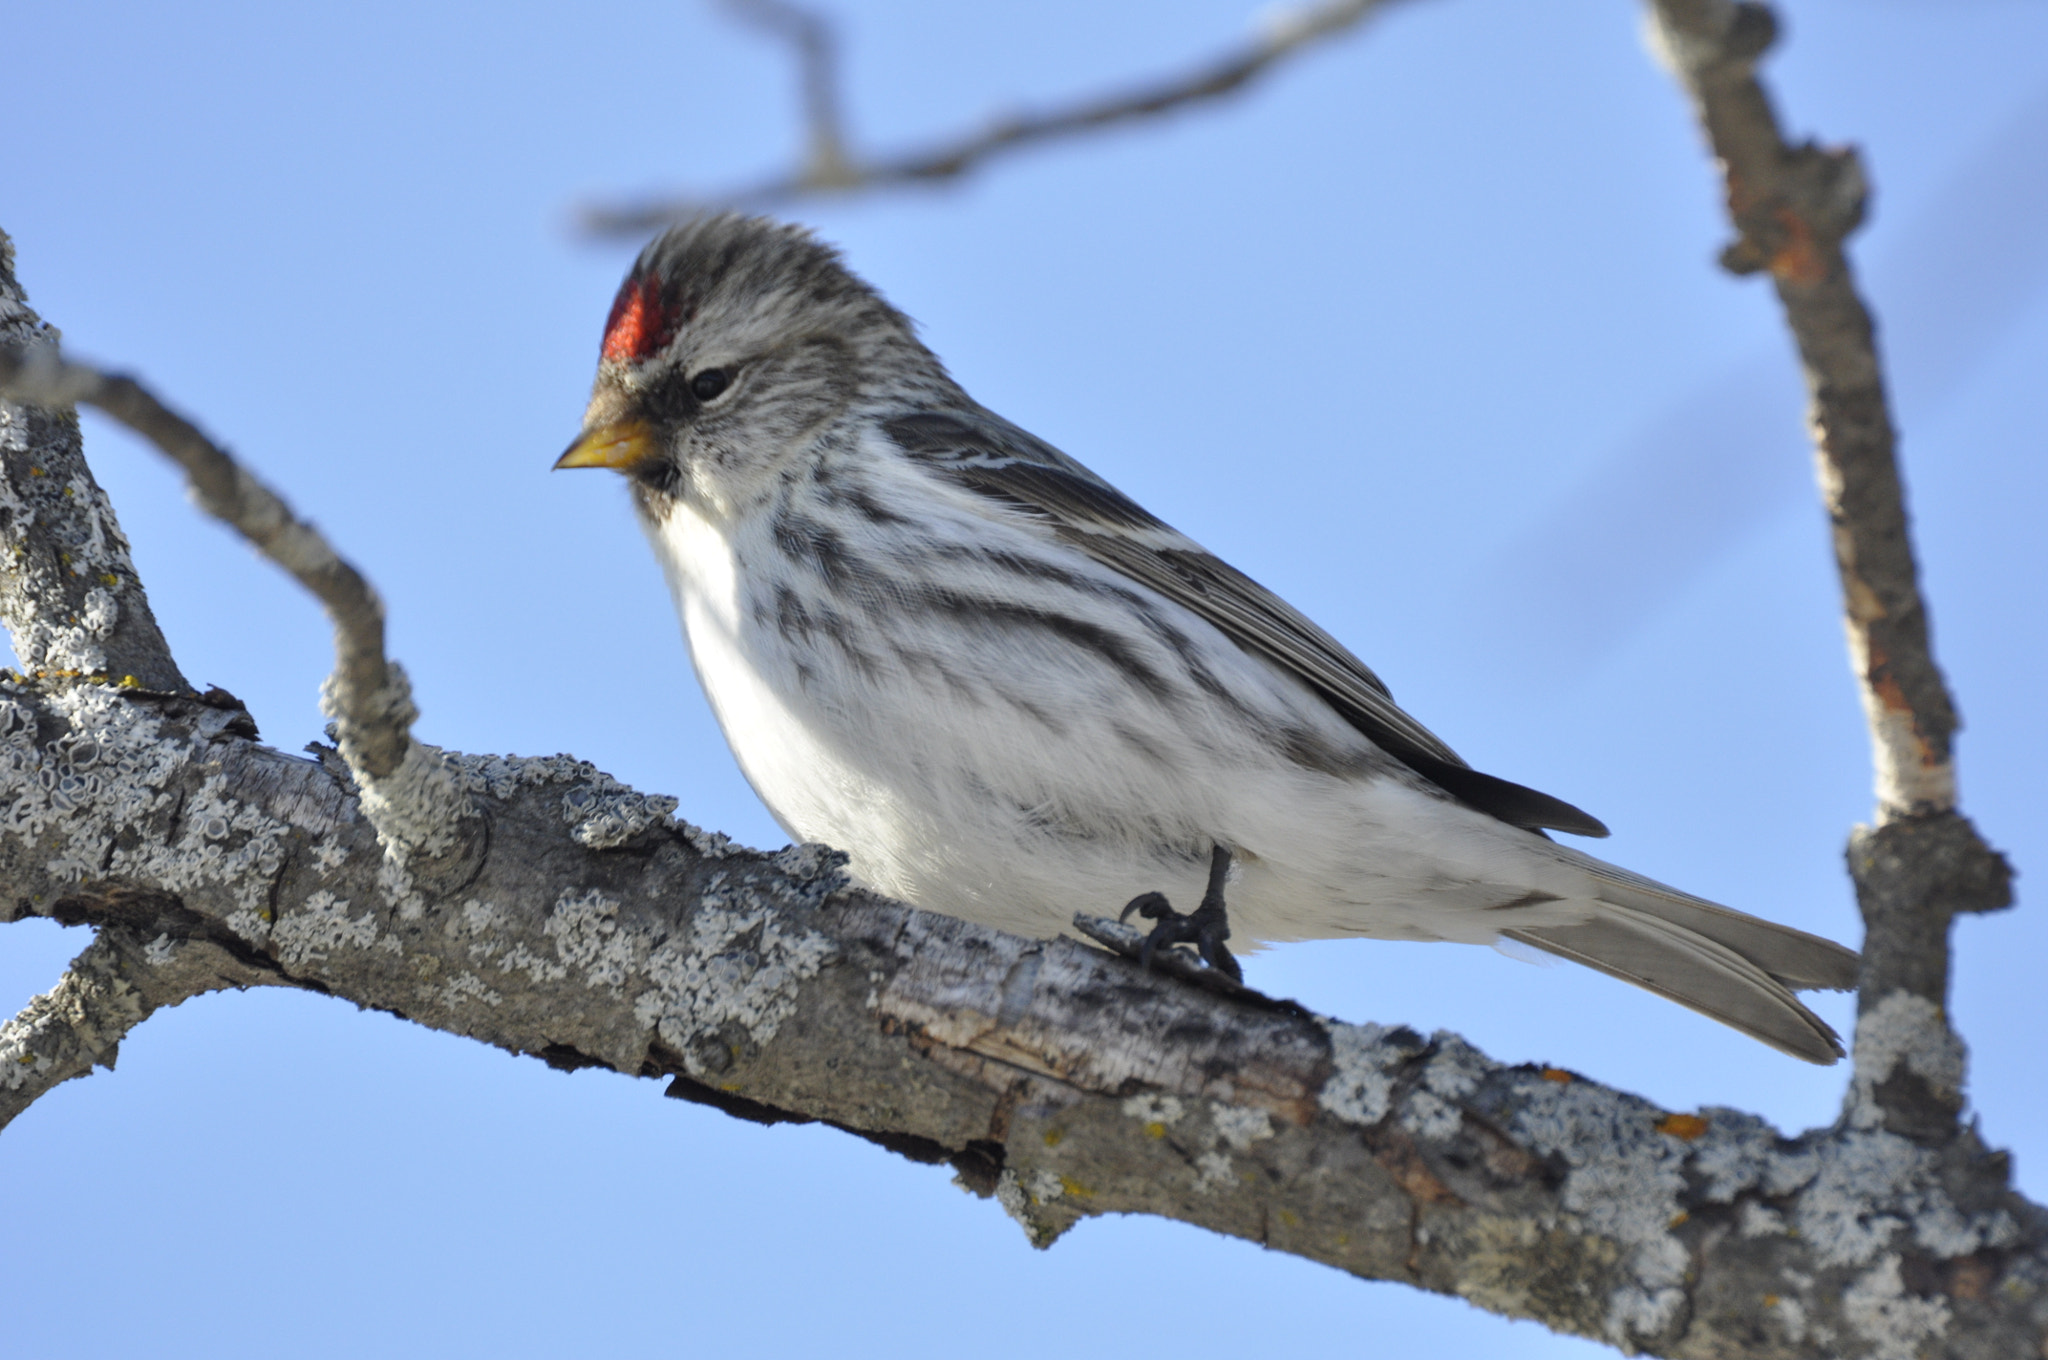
(830, 168)
(816, 44)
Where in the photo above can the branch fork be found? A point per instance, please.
(408, 795)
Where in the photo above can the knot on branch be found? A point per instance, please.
(372, 723)
(1913, 875)
(424, 816)
(1791, 206)
(1929, 864)
(1706, 39)
(1793, 221)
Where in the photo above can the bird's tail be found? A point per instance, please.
(1738, 969)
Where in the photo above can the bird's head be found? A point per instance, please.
(732, 343)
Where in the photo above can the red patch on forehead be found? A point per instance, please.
(642, 321)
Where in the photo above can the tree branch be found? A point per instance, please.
(120, 980)
(831, 169)
(71, 599)
(1793, 207)
(1062, 1080)
(69, 594)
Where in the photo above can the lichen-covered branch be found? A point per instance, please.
(831, 168)
(71, 600)
(69, 594)
(1793, 207)
(1057, 1078)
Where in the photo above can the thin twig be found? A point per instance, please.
(817, 51)
(1793, 207)
(362, 691)
(845, 173)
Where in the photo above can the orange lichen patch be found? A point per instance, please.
(1770, 1300)
(1891, 698)
(1558, 1075)
(1886, 687)
(1890, 694)
(1403, 1161)
(1075, 1188)
(1971, 1277)
(1155, 1129)
(1797, 261)
(1686, 1126)
(1677, 1219)
(1053, 1137)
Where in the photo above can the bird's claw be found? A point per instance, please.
(1206, 927)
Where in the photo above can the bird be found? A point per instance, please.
(946, 647)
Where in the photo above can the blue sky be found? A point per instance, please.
(1424, 334)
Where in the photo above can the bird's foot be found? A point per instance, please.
(1206, 927)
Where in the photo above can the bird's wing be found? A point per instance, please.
(994, 458)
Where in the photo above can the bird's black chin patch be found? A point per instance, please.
(659, 476)
(658, 485)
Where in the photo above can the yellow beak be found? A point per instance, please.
(621, 446)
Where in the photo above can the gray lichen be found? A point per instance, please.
(1365, 1060)
(68, 589)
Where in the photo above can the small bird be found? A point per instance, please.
(948, 648)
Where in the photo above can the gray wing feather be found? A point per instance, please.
(996, 459)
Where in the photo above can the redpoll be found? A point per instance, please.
(1010, 693)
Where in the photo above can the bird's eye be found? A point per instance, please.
(709, 383)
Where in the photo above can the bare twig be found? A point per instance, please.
(1792, 207)
(844, 173)
(229, 493)
(407, 793)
